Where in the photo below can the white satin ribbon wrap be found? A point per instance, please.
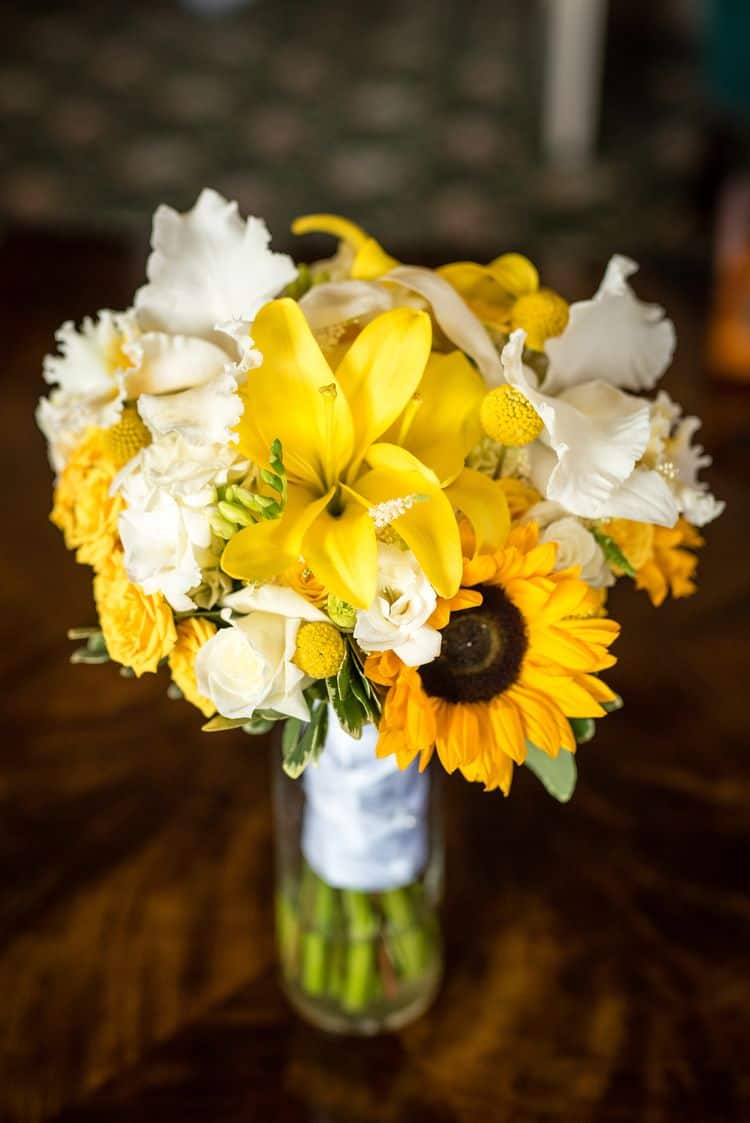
(365, 823)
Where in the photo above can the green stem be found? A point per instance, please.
(360, 974)
(408, 939)
(316, 933)
(287, 926)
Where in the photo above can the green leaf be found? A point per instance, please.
(218, 724)
(558, 774)
(616, 704)
(613, 554)
(583, 728)
(258, 725)
(298, 750)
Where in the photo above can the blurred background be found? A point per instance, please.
(135, 884)
(432, 123)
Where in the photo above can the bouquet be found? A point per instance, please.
(379, 504)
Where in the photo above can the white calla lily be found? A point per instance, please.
(208, 267)
(336, 302)
(614, 337)
(586, 457)
(454, 317)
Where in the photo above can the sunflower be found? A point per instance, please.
(512, 668)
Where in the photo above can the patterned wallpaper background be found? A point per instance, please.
(420, 120)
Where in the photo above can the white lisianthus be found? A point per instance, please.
(248, 666)
(397, 618)
(587, 457)
(576, 545)
(209, 274)
(614, 337)
(170, 496)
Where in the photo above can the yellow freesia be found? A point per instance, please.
(344, 454)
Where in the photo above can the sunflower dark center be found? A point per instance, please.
(482, 651)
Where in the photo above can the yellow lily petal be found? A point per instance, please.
(429, 528)
(483, 502)
(393, 458)
(371, 261)
(283, 399)
(334, 224)
(445, 424)
(341, 550)
(260, 552)
(382, 369)
(515, 274)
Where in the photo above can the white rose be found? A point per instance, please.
(249, 665)
(576, 544)
(397, 618)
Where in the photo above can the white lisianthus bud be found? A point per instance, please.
(397, 618)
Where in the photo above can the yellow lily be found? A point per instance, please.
(505, 294)
(343, 455)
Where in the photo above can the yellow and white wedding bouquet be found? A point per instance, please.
(399, 491)
(372, 493)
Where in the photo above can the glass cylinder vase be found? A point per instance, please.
(359, 872)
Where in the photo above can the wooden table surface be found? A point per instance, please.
(598, 954)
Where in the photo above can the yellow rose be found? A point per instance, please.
(191, 635)
(83, 509)
(138, 628)
(520, 495)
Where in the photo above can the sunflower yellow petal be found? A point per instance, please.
(262, 551)
(382, 369)
(483, 502)
(294, 396)
(341, 550)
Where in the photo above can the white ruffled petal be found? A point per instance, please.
(614, 337)
(163, 364)
(203, 415)
(208, 267)
(89, 359)
(454, 316)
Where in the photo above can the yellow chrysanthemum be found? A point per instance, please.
(138, 628)
(191, 635)
(520, 495)
(661, 556)
(83, 508)
(512, 669)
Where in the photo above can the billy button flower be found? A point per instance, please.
(320, 649)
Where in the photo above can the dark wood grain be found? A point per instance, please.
(598, 954)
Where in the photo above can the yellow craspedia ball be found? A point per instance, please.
(138, 627)
(124, 440)
(83, 509)
(542, 315)
(320, 649)
(191, 635)
(509, 418)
